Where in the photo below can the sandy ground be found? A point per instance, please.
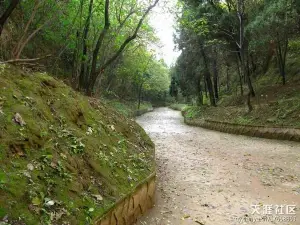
(212, 178)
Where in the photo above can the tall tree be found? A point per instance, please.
(7, 13)
(97, 72)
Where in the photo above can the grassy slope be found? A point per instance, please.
(274, 105)
(127, 108)
(72, 152)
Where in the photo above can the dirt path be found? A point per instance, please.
(212, 178)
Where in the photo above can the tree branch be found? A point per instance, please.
(101, 37)
(16, 61)
(130, 38)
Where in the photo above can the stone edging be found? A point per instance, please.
(279, 133)
(131, 207)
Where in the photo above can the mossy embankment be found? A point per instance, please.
(64, 158)
(274, 105)
(268, 110)
(129, 108)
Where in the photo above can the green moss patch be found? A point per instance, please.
(73, 157)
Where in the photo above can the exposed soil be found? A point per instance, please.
(212, 178)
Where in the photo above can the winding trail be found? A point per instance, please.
(212, 178)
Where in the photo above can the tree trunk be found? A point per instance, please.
(84, 59)
(250, 107)
(249, 82)
(205, 89)
(31, 18)
(216, 78)
(95, 73)
(241, 16)
(208, 78)
(7, 13)
(281, 52)
(240, 76)
(25, 42)
(227, 79)
(76, 61)
(140, 95)
(199, 92)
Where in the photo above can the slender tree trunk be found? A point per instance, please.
(227, 79)
(253, 65)
(216, 78)
(98, 73)
(250, 107)
(281, 52)
(76, 61)
(31, 18)
(84, 60)
(205, 89)
(199, 92)
(240, 76)
(7, 13)
(208, 78)
(25, 42)
(140, 95)
(94, 75)
(249, 82)
(241, 16)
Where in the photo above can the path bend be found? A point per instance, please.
(212, 178)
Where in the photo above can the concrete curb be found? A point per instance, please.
(127, 210)
(279, 133)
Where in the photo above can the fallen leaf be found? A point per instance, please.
(26, 174)
(57, 215)
(98, 197)
(30, 167)
(112, 127)
(63, 156)
(185, 217)
(36, 201)
(89, 131)
(19, 120)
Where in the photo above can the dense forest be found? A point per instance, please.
(235, 48)
(97, 47)
(77, 77)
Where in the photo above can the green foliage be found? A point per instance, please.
(192, 111)
(179, 107)
(210, 36)
(128, 108)
(69, 33)
(141, 69)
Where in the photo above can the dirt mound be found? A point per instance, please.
(64, 158)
